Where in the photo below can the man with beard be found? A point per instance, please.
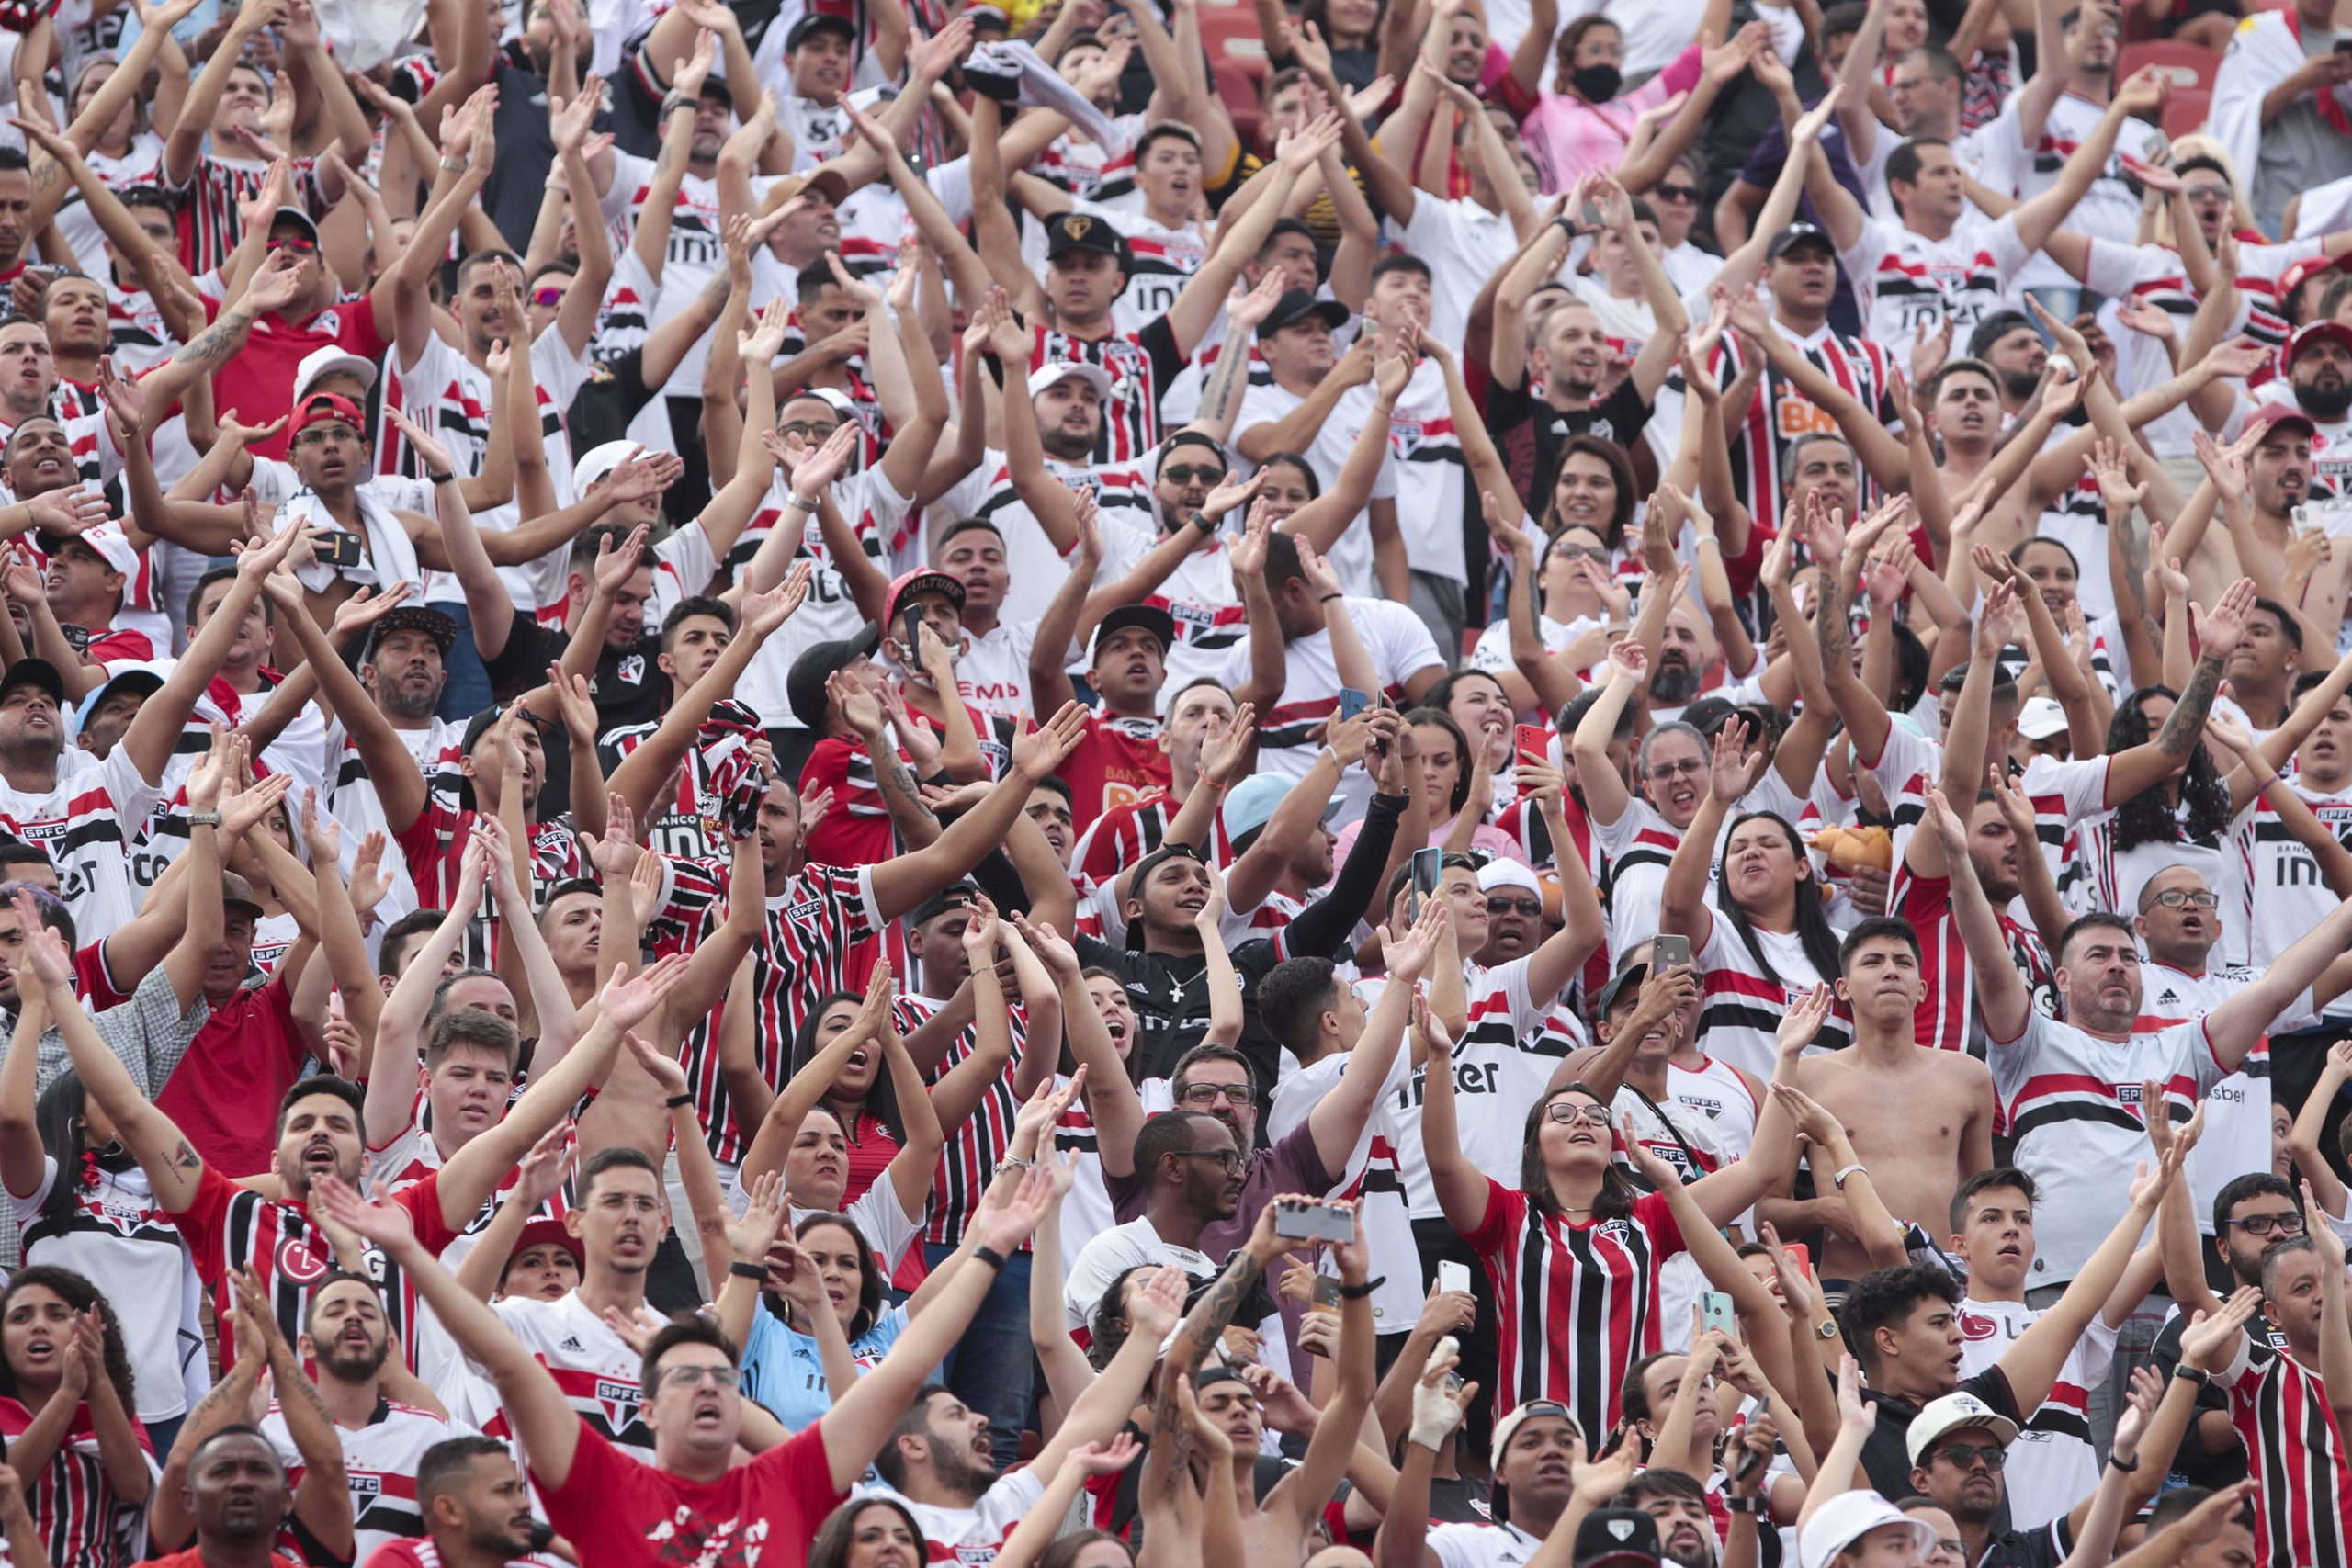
(1677, 1503)
(239, 1498)
(346, 1341)
(475, 1507)
(2317, 383)
(2008, 341)
(1188, 1167)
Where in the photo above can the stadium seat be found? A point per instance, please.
(1240, 77)
(2185, 111)
(2191, 67)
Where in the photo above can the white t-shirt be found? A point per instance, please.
(1464, 244)
(1907, 280)
(2052, 1465)
(1351, 556)
(1400, 646)
(1373, 1177)
(972, 1537)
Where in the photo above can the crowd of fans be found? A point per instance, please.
(1416, 783)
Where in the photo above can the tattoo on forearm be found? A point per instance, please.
(185, 1159)
(218, 341)
(1830, 626)
(1219, 401)
(2136, 562)
(714, 295)
(292, 1380)
(2188, 721)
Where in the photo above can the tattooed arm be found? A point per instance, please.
(2219, 628)
(322, 1499)
(1213, 1314)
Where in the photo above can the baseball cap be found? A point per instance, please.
(991, 16)
(297, 217)
(106, 540)
(34, 673)
(1796, 235)
(435, 623)
(139, 680)
(829, 183)
(548, 1232)
(479, 725)
(1298, 305)
(2041, 717)
(2274, 415)
(923, 580)
(2303, 272)
(1067, 231)
(1953, 1412)
(1533, 1409)
(1617, 1538)
(1093, 376)
(327, 361)
(1846, 1518)
(1708, 714)
(1625, 981)
(960, 895)
(321, 407)
(2313, 332)
(817, 22)
(599, 461)
(237, 895)
(804, 685)
(1149, 864)
(1150, 617)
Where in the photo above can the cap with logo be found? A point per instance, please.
(105, 541)
(1617, 1538)
(960, 895)
(298, 218)
(435, 623)
(321, 407)
(1954, 1412)
(1067, 231)
(2309, 333)
(1149, 619)
(2041, 717)
(328, 361)
(1796, 235)
(923, 580)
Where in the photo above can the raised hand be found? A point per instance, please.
(629, 1000)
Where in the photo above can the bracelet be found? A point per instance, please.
(990, 1255)
(806, 504)
(455, 165)
(1010, 1162)
(1755, 1504)
(1207, 526)
(742, 1270)
(1564, 226)
(675, 1101)
(204, 818)
(2120, 1468)
(674, 102)
(1329, 597)
(1358, 1293)
(439, 478)
(1844, 1171)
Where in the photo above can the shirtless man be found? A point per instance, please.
(1921, 1119)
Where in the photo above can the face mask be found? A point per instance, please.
(1596, 84)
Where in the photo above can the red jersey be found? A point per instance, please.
(622, 1513)
(258, 382)
(2302, 1509)
(1117, 761)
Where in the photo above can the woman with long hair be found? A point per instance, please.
(2189, 818)
(1764, 935)
(1458, 782)
(82, 1204)
(869, 1532)
(1570, 592)
(1583, 119)
(66, 1397)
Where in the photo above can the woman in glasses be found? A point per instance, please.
(1763, 935)
(1573, 581)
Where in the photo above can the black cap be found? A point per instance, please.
(1150, 617)
(960, 895)
(1067, 231)
(435, 624)
(817, 22)
(478, 726)
(804, 687)
(1298, 305)
(1996, 327)
(1797, 234)
(1617, 1538)
(1706, 715)
(1151, 863)
(35, 672)
(1627, 979)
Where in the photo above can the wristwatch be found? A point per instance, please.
(204, 818)
(1826, 1329)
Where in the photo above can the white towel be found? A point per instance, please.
(391, 554)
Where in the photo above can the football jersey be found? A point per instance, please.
(380, 1461)
(1908, 281)
(592, 1364)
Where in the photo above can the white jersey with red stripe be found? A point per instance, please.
(2285, 894)
(1371, 1178)
(876, 513)
(2109, 209)
(1432, 479)
(2052, 1465)
(1908, 282)
(380, 1461)
(592, 1364)
(2237, 1109)
(1741, 1006)
(2072, 1101)
(1086, 170)
(85, 823)
(1033, 567)
(1639, 845)
(694, 257)
(970, 1538)
(1198, 597)
(1290, 737)
(1165, 260)
(1350, 554)
(2064, 794)
(1721, 1098)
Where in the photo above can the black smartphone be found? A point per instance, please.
(909, 619)
(1428, 869)
(341, 547)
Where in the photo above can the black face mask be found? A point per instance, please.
(1596, 84)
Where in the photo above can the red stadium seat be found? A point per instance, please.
(1239, 79)
(2191, 66)
(2186, 111)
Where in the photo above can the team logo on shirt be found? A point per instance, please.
(366, 1485)
(619, 1402)
(299, 1263)
(632, 669)
(1976, 1326)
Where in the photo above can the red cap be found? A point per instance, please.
(320, 407)
(2313, 332)
(546, 1232)
(2296, 275)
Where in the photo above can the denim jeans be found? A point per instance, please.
(990, 1368)
(467, 690)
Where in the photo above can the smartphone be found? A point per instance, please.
(1453, 1277)
(1327, 1291)
(909, 621)
(2343, 46)
(1352, 702)
(1428, 869)
(1714, 1311)
(1313, 1222)
(1533, 741)
(1670, 953)
(341, 547)
(1801, 1257)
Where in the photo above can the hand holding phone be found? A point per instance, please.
(1453, 1277)
(1428, 870)
(1669, 951)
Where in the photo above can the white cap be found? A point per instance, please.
(2041, 717)
(108, 542)
(1956, 1413)
(1505, 873)
(1848, 1517)
(1093, 376)
(324, 361)
(599, 461)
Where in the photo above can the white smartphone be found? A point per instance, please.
(1453, 1277)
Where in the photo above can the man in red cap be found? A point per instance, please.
(2316, 384)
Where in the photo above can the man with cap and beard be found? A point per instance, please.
(347, 1340)
(1121, 759)
(2316, 382)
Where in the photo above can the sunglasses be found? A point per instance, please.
(1185, 473)
(1676, 193)
(293, 243)
(1962, 1455)
(1528, 908)
(547, 297)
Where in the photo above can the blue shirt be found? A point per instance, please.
(784, 1371)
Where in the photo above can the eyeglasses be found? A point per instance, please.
(2288, 1223)
(1210, 1093)
(1185, 473)
(1962, 1455)
(547, 297)
(815, 434)
(1592, 553)
(293, 242)
(1229, 1158)
(1572, 1115)
(1531, 908)
(1956, 1549)
(1676, 193)
(695, 1377)
(1666, 771)
(2174, 898)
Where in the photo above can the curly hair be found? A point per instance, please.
(2148, 817)
(78, 1292)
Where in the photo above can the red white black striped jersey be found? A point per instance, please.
(83, 1521)
(976, 1143)
(209, 224)
(812, 928)
(229, 1227)
(1907, 281)
(2302, 1504)
(1575, 1303)
(1131, 413)
(1946, 1018)
(379, 1460)
(1779, 415)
